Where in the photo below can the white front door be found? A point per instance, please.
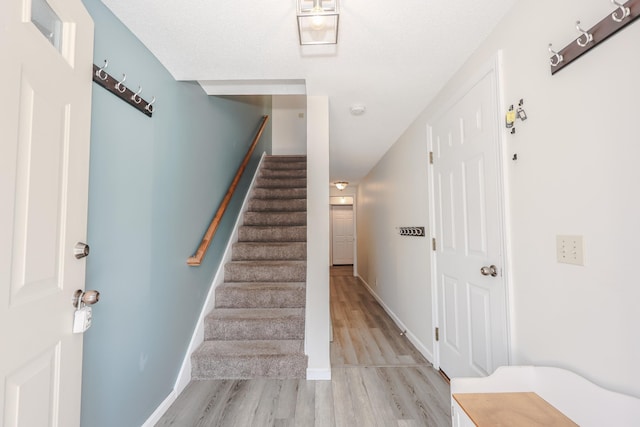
(468, 229)
(45, 112)
(342, 235)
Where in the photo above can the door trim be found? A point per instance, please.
(494, 64)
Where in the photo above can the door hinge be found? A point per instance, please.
(430, 157)
(437, 334)
(433, 244)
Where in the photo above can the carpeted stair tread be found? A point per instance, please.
(261, 295)
(257, 233)
(277, 205)
(265, 251)
(254, 324)
(249, 359)
(265, 271)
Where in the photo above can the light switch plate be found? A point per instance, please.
(570, 250)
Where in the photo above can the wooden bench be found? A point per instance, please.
(538, 396)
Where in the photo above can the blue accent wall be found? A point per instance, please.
(154, 186)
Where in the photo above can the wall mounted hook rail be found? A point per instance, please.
(625, 14)
(116, 87)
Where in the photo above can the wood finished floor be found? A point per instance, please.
(378, 379)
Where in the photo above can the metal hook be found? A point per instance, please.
(588, 36)
(624, 10)
(149, 108)
(119, 87)
(558, 57)
(135, 97)
(101, 70)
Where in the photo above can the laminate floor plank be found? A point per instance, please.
(378, 378)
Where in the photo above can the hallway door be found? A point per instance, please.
(469, 258)
(342, 235)
(44, 161)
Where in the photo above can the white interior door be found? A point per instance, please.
(342, 235)
(469, 235)
(44, 160)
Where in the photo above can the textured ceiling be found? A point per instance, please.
(393, 57)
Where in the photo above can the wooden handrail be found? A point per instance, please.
(196, 259)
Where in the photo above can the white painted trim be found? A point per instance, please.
(319, 374)
(410, 335)
(197, 338)
(432, 255)
(161, 409)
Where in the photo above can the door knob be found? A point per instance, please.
(492, 271)
(81, 250)
(87, 298)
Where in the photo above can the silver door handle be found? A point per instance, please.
(81, 250)
(86, 298)
(492, 271)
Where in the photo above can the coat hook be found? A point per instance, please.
(625, 11)
(119, 87)
(587, 36)
(149, 107)
(556, 55)
(101, 70)
(136, 96)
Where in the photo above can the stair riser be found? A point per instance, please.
(277, 205)
(281, 183)
(283, 173)
(280, 193)
(284, 165)
(290, 366)
(269, 298)
(266, 252)
(272, 234)
(288, 328)
(275, 218)
(258, 273)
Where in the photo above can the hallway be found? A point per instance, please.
(378, 379)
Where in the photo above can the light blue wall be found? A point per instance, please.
(154, 186)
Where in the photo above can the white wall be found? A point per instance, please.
(317, 323)
(576, 173)
(289, 130)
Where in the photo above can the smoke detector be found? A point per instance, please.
(358, 109)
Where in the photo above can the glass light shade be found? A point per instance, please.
(318, 21)
(341, 185)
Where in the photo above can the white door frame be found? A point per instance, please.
(493, 65)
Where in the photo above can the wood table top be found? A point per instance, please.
(511, 409)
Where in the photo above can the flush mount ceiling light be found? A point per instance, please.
(341, 185)
(318, 21)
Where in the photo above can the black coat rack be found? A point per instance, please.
(624, 15)
(117, 88)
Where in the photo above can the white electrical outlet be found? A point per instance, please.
(570, 250)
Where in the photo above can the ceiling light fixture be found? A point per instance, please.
(318, 21)
(341, 185)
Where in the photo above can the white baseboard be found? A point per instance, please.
(319, 374)
(410, 335)
(160, 410)
(197, 338)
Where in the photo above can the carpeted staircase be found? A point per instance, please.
(256, 329)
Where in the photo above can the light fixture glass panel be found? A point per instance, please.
(47, 22)
(318, 21)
